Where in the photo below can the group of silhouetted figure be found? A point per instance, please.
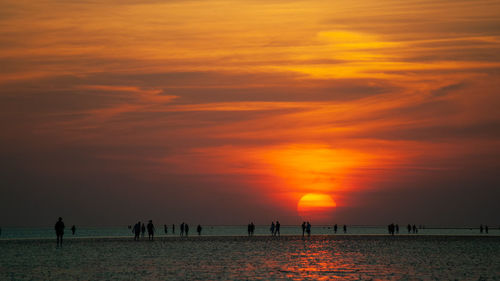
(336, 228)
(485, 229)
(251, 229)
(140, 229)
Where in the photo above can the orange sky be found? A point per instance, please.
(249, 105)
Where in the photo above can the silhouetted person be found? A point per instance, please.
(198, 229)
(481, 228)
(335, 227)
(143, 230)
(345, 228)
(486, 229)
(165, 228)
(397, 228)
(186, 229)
(73, 229)
(59, 228)
(414, 229)
(182, 229)
(308, 229)
(249, 229)
(252, 228)
(173, 228)
(277, 231)
(272, 228)
(409, 228)
(303, 228)
(137, 231)
(151, 230)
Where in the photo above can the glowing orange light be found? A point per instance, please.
(316, 206)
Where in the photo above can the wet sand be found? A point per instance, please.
(321, 257)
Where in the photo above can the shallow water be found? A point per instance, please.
(86, 232)
(321, 257)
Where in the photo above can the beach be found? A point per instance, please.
(290, 257)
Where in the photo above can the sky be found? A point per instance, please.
(226, 112)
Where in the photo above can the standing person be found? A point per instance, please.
(481, 228)
(165, 228)
(414, 229)
(345, 228)
(151, 230)
(409, 228)
(335, 227)
(186, 229)
(73, 229)
(303, 228)
(198, 229)
(252, 226)
(59, 228)
(272, 229)
(182, 229)
(143, 230)
(397, 228)
(308, 229)
(249, 229)
(486, 229)
(173, 228)
(137, 231)
(277, 232)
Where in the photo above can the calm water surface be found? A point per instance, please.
(320, 257)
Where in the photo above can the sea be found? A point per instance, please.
(228, 253)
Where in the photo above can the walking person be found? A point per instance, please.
(186, 229)
(59, 228)
(143, 230)
(335, 227)
(198, 229)
(277, 231)
(272, 229)
(182, 229)
(303, 228)
(137, 231)
(73, 229)
(151, 230)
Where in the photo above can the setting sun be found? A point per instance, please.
(316, 206)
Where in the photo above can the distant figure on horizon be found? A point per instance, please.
(277, 231)
(390, 229)
(481, 228)
(165, 228)
(345, 228)
(186, 229)
(151, 230)
(249, 230)
(173, 228)
(73, 229)
(415, 229)
(252, 228)
(486, 229)
(308, 229)
(198, 229)
(303, 228)
(182, 229)
(137, 231)
(143, 230)
(409, 228)
(59, 228)
(335, 227)
(397, 228)
(272, 229)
